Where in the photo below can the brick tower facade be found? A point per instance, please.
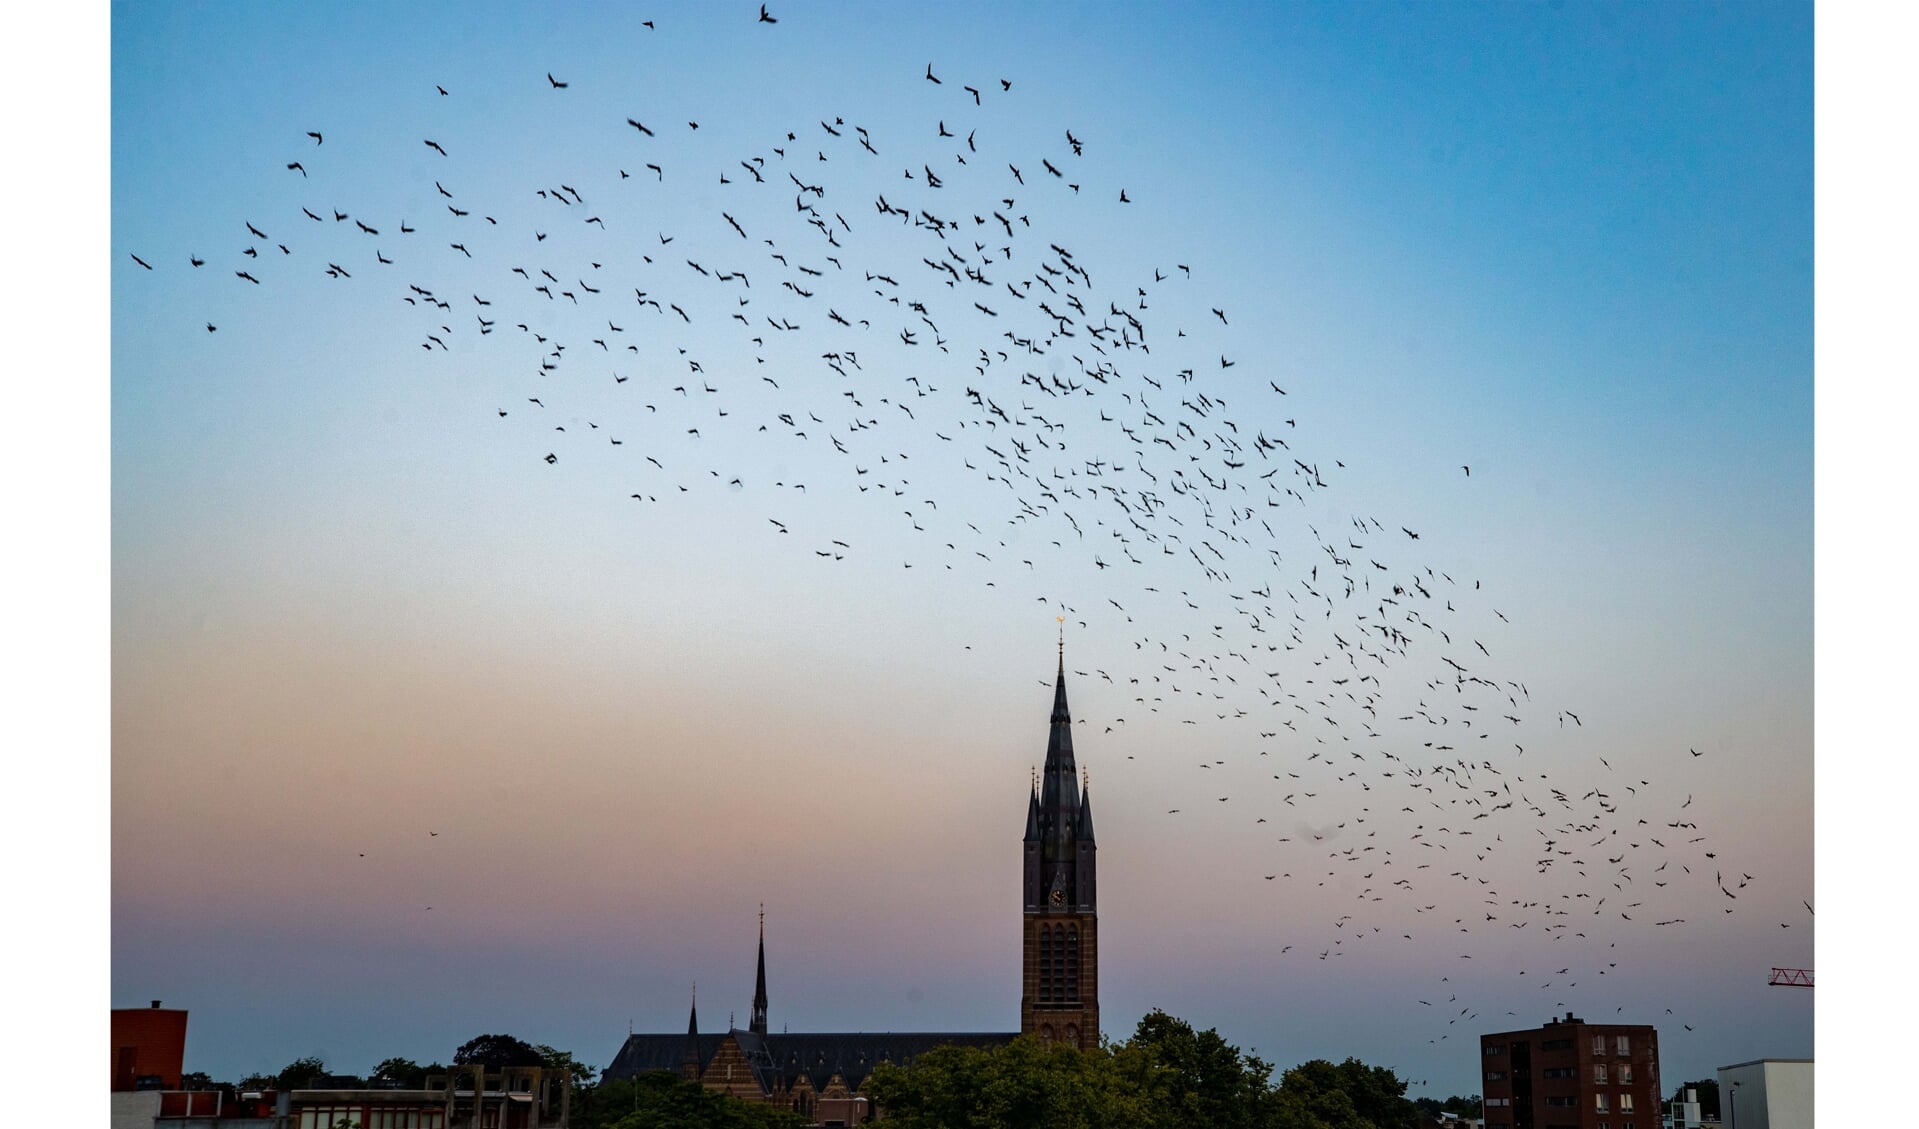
(1059, 977)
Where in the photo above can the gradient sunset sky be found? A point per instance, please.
(371, 654)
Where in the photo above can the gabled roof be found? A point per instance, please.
(779, 1060)
(819, 1056)
(642, 1053)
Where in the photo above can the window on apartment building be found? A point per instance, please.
(1556, 1045)
(1599, 1102)
(1559, 1072)
(1625, 1074)
(1495, 1075)
(1559, 1101)
(1599, 1074)
(1599, 1044)
(1495, 1049)
(1625, 1103)
(1623, 1045)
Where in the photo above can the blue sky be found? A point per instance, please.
(1570, 246)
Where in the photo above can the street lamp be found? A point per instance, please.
(1733, 1093)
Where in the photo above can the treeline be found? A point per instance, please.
(1167, 1076)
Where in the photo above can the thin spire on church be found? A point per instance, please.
(758, 1023)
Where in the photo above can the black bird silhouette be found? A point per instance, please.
(297, 165)
(441, 89)
(557, 84)
(766, 19)
(638, 126)
(929, 73)
(435, 146)
(315, 136)
(141, 261)
(196, 262)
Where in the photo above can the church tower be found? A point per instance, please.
(1059, 995)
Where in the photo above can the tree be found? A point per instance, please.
(1204, 1079)
(1377, 1096)
(1023, 1083)
(296, 1074)
(496, 1051)
(578, 1073)
(1463, 1107)
(1167, 1076)
(403, 1070)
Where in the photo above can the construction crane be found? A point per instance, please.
(1791, 978)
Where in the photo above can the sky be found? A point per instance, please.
(372, 652)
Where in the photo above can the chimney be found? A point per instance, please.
(156, 1004)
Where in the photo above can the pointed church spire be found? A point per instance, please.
(758, 1022)
(690, 1059)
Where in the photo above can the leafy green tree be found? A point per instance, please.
(1023, 1083)
(1167, 1076)
(578, 1073)
(496, 1051)
(1463, 1107)
(1205, 1080)
(1377, 1095)
(403, 1070)
(257, 1082)
(296, 1074)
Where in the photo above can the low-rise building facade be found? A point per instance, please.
(1570, 1074)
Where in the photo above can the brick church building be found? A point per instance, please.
(820, 1075)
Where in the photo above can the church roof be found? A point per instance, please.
(780, 1060)
(643, 1053)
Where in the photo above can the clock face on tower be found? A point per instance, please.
(1059, 897)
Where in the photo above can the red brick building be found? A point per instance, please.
(1571, 1074)
(149, 1044)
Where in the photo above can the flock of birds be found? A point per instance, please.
(898, 315)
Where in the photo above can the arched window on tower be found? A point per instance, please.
(1072, 964)
(1046, 963)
